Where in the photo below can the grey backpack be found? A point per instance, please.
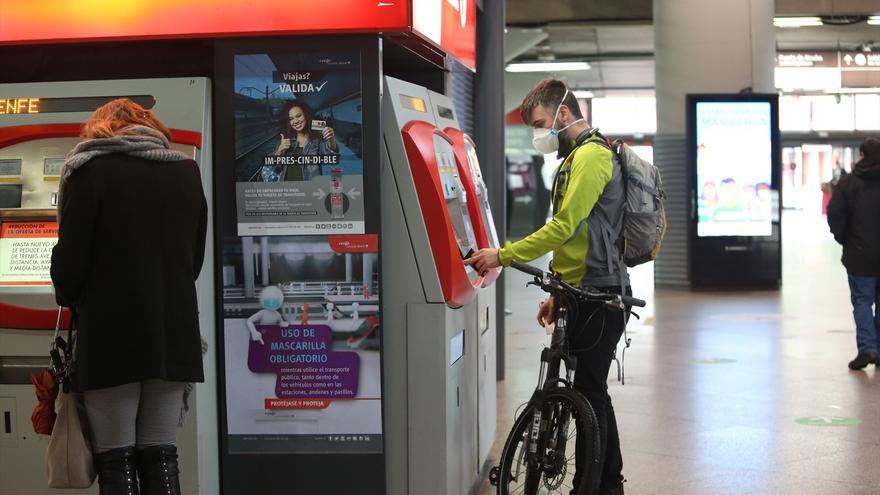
(644, 211)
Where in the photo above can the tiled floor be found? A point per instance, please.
(691, 427)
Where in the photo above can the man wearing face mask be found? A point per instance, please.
(587, 220)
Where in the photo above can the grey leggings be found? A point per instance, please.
(138, 414)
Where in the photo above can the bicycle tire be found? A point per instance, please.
(583, 419)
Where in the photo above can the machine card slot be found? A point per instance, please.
(17, 370)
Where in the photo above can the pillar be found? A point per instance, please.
(700, 47)
(489, 132)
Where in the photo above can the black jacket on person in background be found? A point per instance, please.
(131, 244)
(854, 218)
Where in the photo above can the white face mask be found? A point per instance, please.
(546, 141)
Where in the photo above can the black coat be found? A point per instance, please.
(131, 243)
(854, 218)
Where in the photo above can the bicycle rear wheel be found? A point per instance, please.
(555, 472)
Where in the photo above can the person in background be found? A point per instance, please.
(837, 173)
(132, 222)
(853, 218)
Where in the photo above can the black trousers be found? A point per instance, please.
(593, 339)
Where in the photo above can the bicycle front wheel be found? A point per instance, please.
(553, 468)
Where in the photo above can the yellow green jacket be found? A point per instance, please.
(587, 218)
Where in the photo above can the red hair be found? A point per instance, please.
(111, 118)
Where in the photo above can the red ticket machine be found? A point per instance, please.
(472, 178)
(484, 227)
(445, 208)
(468, 168)
(39, 124)
(432, 303)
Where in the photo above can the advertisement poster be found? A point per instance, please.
(26, 252)
(302, 347)
(734, 169)
(298, 144)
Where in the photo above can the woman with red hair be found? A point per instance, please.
(132, 222)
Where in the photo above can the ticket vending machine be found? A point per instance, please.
(430, 342)
(487, 237)
(39, 124)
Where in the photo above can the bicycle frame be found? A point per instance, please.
(548, 377)
(547, 432)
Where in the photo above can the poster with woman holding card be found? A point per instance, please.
(301, 134)
(298, 142)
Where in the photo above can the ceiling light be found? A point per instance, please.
(582, 93)
(547, 66)
(794, 22)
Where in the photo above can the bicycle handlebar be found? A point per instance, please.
(527, 269)
(632, 301)
(552, 283)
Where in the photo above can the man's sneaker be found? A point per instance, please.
(863, 360)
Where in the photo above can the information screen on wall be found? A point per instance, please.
(301, 335)
(734, 168)
(298, 143)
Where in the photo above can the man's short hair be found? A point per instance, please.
(548, 93)
(870, 147)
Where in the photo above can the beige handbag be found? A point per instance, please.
(69, 455)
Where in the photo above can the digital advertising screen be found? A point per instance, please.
(303, 364)
(299, 143)
(734, 168)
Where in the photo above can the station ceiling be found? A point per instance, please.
(617, 39)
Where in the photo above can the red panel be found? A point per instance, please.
(514, 117)
(19, 317)
(418, 139)
(470, 186)
(456, 28)
(21, 133)
(26, 21)
(360, 243)
(460, 31)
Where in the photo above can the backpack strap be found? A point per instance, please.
(584, 138)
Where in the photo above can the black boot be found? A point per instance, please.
(157, 467)
(863, 360)
(117, 472)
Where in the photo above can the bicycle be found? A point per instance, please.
(540, 450)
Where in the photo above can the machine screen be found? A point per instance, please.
(413, 103)
(10, 167)
(52, 167)
(11, 106)
(456, 198)
(482, 193)
(444, 112)
(10, 195)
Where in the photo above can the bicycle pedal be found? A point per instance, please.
(493, 476)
